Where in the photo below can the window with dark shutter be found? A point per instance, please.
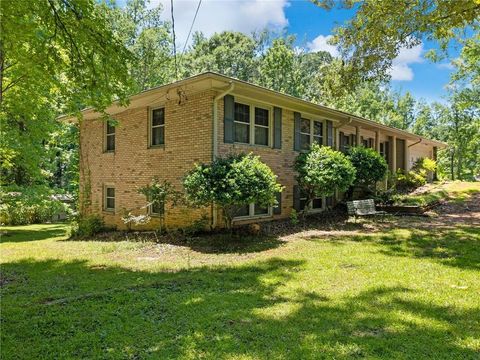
(261, 126)
(242, 123)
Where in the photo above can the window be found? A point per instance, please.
(157, 127)
(156, 209)
(109, 202)
(261, 126)
(310, 132)
(316, 204)
(252, 125)
(252, 210)
(109, 136)
(384, 150)
(344, 142)
(242, 123)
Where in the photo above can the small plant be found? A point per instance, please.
(87, 226)
(134, 220)
(197, 226)
(294, 217)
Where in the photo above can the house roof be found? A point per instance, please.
(243, 88)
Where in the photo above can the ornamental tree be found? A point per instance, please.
(321, 171)
(369, 165)
(158, 194)
(232, 182)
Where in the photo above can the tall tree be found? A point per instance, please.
(379, 29)
(55, 56)
(148, 37)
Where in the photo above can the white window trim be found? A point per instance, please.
(151, 213)
(312, 130)
(105, 197)
(252, 125)
(252, 215)
(150, 126)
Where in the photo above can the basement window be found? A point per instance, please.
(109, 201)
(252, 210)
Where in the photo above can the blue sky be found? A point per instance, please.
(312, 26)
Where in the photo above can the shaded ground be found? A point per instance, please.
(403, 289)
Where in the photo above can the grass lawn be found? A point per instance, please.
(398, 292)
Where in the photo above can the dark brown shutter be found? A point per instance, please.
(297, 118)
(341, 146)
(296, 197)
(277, 128)
(228, 120)
(277, 210)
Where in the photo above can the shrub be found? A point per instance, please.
(408, 181)
(32, 205)
(87, 226)
(321, 171)
(232, 182)
(370, 166)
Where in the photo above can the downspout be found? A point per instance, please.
(415, 143)
(215, 138)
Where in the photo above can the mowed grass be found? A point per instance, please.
(402, 293)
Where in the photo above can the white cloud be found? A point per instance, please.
(400, 70)
(218, 15)
(320, 43)
(446, 66)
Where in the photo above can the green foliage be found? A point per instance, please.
(370, 166)
(294, 217)
(30, 205)
(87, 226)
(410, 180)
(158, 195)
(368, 46)
(232, 182)
(321, 171)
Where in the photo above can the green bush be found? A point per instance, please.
(408, 181)
(32, 205)
(322, 170)
(232, 182)
(87, 226)
(370, 165)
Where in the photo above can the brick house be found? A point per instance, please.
(166, 130)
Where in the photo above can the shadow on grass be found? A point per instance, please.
(54, 309)
(455, 246)
(42, 233)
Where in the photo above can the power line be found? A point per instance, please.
(191, 27)
(174, 45)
